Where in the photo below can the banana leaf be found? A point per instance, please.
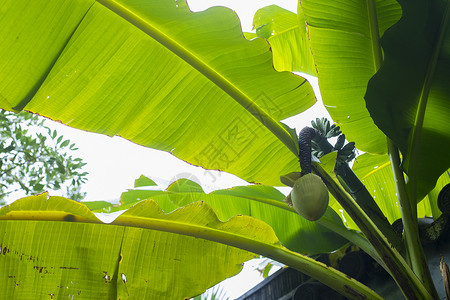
(409, 98)
(156, 74)
(262, 202)
(52, 247)
(344, 41)
(56, 248)
(286, 33)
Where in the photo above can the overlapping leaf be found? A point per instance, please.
(344, 41)
(86, 259)
(409, 98)
(54, 247)
(262, 202)
(286, 33)
(156, 74)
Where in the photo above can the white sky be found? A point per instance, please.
(114, 163)
(245, 9)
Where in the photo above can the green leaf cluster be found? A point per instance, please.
(34, 158)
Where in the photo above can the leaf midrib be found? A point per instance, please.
(234, 92)
(375, 34)
(276, 251)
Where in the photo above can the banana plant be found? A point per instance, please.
(353, 31)
(190, 83)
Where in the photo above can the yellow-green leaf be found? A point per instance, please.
(286, 33)
(157, 74)
(54, 247)
(344, 36)
(259, 201)
(57, 246)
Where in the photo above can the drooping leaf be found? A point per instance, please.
(266, 203)
(344, 43)
(259, 201)
(293, 231)
(156, 74)
(289, 179)
(286, 33)
(92, 260)
(56, 248)
(409, 98)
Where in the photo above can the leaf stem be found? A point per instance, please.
(78, 213)
(408, 211)
(408, 282)
(329, 276)
(408, 207)
(375, 34)
(353, 185)
(351, 235)
(359, 192)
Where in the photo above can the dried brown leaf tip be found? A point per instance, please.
(445, 276)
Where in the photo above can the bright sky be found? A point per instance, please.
(245, 9)
(114, 163)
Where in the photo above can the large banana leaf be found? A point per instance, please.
(156, 74)
(286, 33)
(409, 98)
(90, 260)
(344, 41)
(262, 202)
(56, 248)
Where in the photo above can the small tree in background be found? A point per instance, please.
(34, 158)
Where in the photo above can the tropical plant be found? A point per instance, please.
(34, 158)
(189, 83)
